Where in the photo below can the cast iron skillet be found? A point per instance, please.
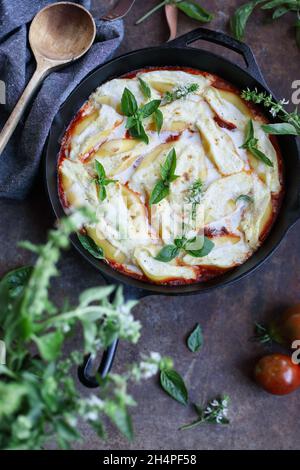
(176, 53)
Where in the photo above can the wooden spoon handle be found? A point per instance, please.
(19, 109)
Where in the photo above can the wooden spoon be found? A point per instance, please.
(60, 33)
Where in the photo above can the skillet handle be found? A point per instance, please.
(217, 37)
(85, 371)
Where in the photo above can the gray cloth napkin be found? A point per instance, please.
(20, 160)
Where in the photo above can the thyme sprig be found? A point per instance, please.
(179, 92)
(194, 196)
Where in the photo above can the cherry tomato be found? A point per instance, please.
(289, 325)
(277, 374)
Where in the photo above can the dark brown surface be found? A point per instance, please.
(224, 365)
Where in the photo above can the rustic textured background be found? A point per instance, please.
(258, 420)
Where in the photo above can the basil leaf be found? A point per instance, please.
(146, 90)
(167, 253)
(12, 284)
(244, 197)
(49, 345)
(280, 12)
(260, 156)
(168, 168)
(131, 121)
(159, 192)
(99, 169)
(158, 119)
(249, 134)
(149, 108)
(138, 132)
(101, 192)
(204, 251)
(195, 11)
(179, 242)
(277, 3)
(195, 340)
(174, 385)
(128, 103)
(89, 244)
(282, 128)
(239, 20)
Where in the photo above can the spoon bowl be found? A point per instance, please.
(59, 34)
(62, 32)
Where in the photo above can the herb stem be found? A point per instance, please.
(77, 313)
(153, 10)
(194, 424)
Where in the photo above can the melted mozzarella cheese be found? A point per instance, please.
(225, 109)
(218, 144)
(157, 270)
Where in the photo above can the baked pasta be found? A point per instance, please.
(184, 182)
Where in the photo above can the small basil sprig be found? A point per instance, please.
(189, 7)
(195, 339)
(89, 244)
(250, 144)
(169, 252)
(157, 115)
(167, 172)
(135, 114)
(101, 180)
(174, 385)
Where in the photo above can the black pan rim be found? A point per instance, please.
(114, 275)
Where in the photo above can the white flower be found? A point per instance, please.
(284, 101)
(92, 416)
(273, 111)
(95, 401)
(155, 356)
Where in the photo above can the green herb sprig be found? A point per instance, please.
(167, 173)
(189, 7)
(194, 196)
(250, 144)
(291, 124)
(101, 180)
(179, 92)
(241, 16)
(39, 399)
(216, 412)
(169, 252)
(136, 115)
